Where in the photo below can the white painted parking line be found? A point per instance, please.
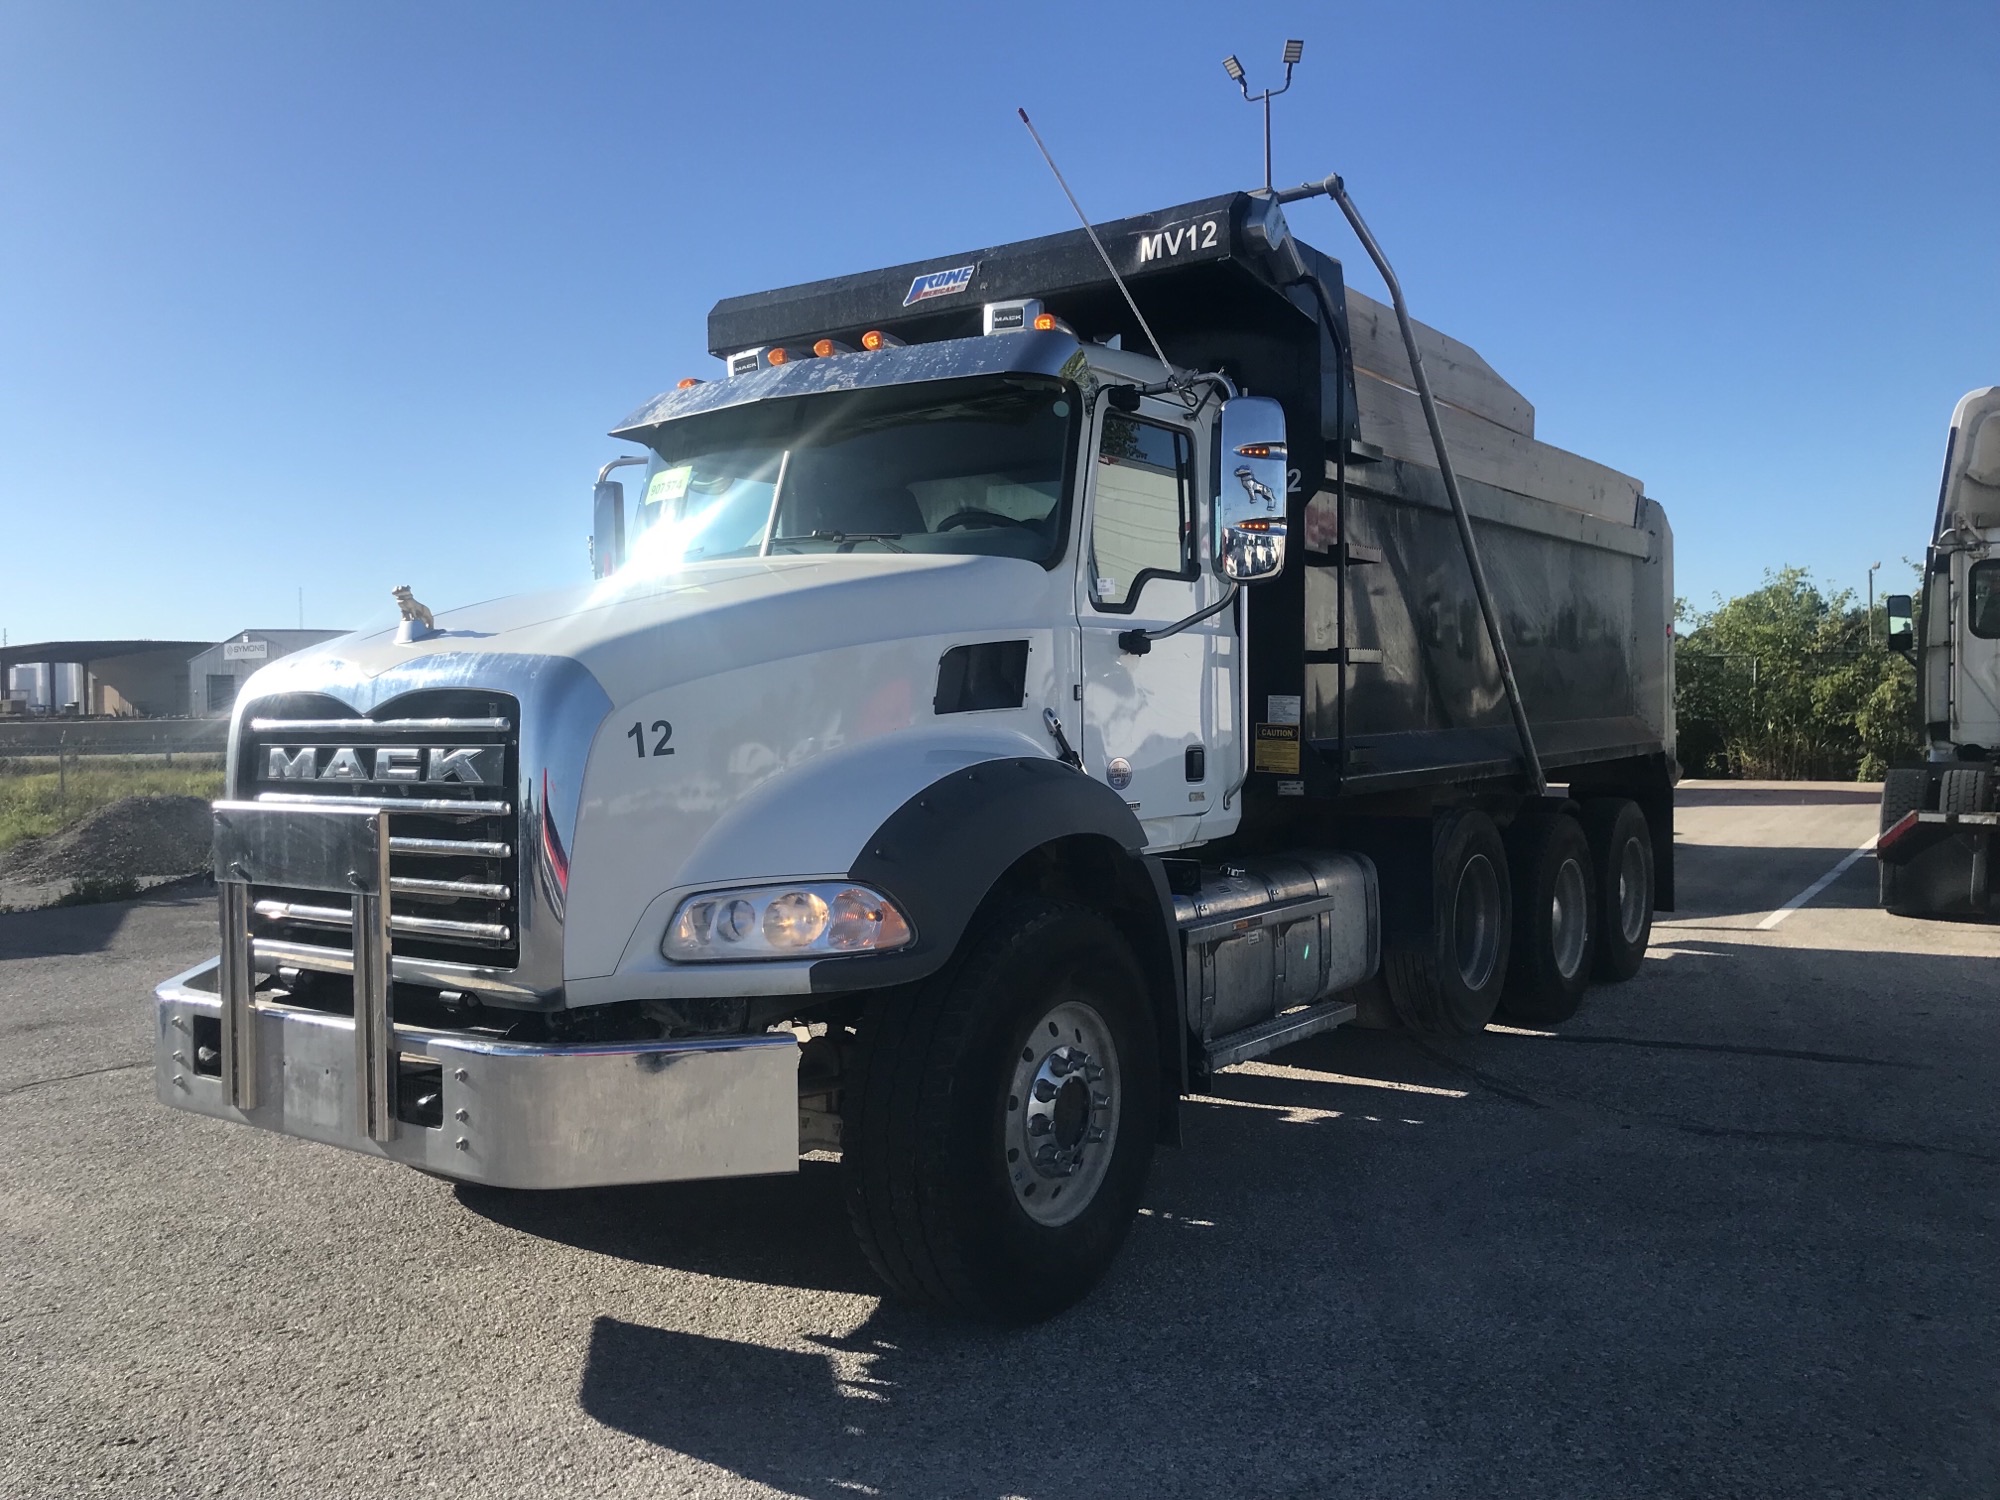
(1815, 888)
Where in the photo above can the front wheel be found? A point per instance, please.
(998, 1132)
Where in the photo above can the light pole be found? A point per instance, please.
(1294, 49)
(1871, 601)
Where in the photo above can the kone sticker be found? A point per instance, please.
(939, 284)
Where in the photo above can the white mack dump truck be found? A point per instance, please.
(976, 737)
(1938, 819)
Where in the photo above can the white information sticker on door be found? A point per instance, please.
(1283, 708)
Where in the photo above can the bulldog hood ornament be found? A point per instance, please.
(418, 624)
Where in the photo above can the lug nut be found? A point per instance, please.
(1038, 1124)
(1044, 1090)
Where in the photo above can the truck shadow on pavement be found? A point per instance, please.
(1619, 1257)
(780, 1231)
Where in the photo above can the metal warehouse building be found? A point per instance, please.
(217, 673)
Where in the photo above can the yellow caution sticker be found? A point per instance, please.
(1277, 749)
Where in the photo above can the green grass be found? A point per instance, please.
(38, 798)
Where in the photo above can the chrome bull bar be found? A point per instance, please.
(509, 1113)
(337, 850)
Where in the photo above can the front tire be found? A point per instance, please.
(1000, 1125)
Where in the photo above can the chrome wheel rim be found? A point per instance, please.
(1568, 909)
(1631, 891)
(1063, 1104)
(1476, 922)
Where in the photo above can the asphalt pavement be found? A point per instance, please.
(1729, 1232)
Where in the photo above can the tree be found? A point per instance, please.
(1790, 682)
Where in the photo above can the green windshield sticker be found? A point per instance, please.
(669, 484)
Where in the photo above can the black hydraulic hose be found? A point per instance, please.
(1335, 189)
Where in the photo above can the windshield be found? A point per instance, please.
(980, 468)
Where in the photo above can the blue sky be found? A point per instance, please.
(340, 296)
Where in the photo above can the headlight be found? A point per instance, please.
(784, 921)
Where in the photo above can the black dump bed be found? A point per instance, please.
(1374, 649)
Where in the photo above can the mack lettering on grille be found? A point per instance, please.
(465, 765)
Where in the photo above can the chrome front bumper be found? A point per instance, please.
(513, 1115)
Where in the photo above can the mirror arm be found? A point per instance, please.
(1139, 642)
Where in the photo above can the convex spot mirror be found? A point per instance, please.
(1250, 500)
(1901, 621)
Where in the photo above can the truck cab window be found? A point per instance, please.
(1142, 525)
(1982, 587)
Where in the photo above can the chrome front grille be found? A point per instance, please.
(447, 772)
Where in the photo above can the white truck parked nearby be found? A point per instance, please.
(1937, 831)
(977, 735)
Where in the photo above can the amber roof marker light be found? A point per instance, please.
(875, 339)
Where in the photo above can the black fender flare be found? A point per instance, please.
(940, 855)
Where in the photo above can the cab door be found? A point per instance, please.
(1976, 694)
(1160, 727)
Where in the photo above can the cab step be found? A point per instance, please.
(1279, 1031)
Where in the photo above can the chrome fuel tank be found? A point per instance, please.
(1266, 935)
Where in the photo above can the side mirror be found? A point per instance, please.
(1250, 501)
(607, 537)
(1901, 621)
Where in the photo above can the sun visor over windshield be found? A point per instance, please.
(1051, 354)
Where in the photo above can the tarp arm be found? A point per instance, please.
(1332, 187)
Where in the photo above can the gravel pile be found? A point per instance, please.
(132, 839)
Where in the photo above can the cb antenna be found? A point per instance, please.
(1084, 218)
(1294, 50)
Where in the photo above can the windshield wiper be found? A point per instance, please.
(845, 540)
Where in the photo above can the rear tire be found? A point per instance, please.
(1965, 789)
(1445, 974)
(1555, 920)
(1904, 791)
(1001, 1121)
(1621, 857)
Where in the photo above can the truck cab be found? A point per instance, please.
(1937, 823)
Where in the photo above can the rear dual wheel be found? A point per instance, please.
(1905, 790)
(1555, 920)
(1621, 857)
(1446, 968)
